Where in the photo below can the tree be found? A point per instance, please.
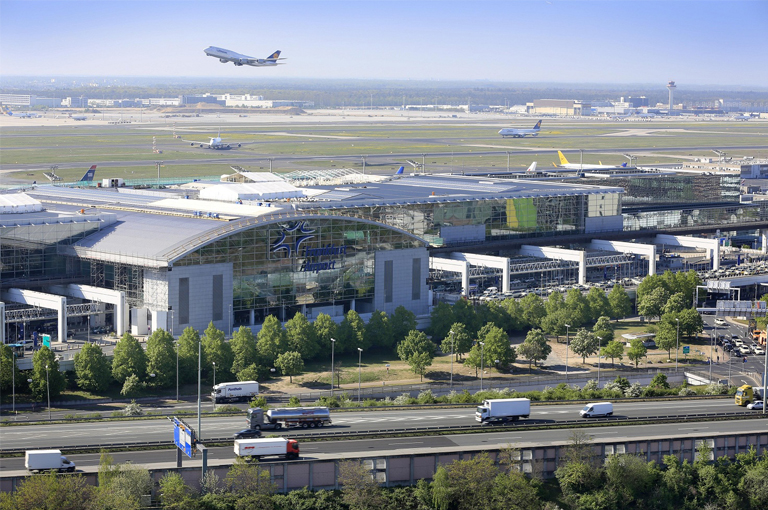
(248, 479)
(599, 305)
(7, 377)
(188, 354)
(415, 342)
(62, 492)
(555, 303)
(493, 312)
(459, 343)
(92, 370)
(360, 491)
(402, 322)
(497, 345)
(161, 358)
(440, 321)
(464, 312)
(603, 329)
(637, 351)
(271, 340)
(533, 310)
(302, 336)
(290, 364)
(132, 386)
(676, 303)
(691, 323)
(128, 358)
(465, 484)
(630, 478)
(217, 351)
(614, 349)
(554, 324)
(513, 491)
(175, 494)
(578, 306)
(378, 332)
(243, 346)
(351, 333)
(584, 344)
(325, 329)
(649, 284)
(652, 304)
(659, 381)
(419, 362)
(666, 334)
(534, 347)
(55, 382)
(621, 304)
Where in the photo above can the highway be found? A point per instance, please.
(422, 444)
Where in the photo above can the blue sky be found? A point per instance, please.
(619, 41)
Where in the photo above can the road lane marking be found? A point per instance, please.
(694, 428)
(417, 442)
(596, 433)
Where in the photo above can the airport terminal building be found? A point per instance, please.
(235, 252)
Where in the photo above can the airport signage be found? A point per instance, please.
(295, 241)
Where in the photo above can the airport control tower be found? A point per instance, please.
(671, 86)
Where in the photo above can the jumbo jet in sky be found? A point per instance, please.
(577, 166)
(225, 56)
(520, 133)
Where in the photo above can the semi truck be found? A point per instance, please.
(288, 417)
(47, 460)
(235, 391)
(267, 447)
(746, 394)
(502, 410)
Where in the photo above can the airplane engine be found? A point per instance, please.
(223, 60)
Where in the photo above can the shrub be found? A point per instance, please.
(228, 409)
(426, 397)
(328, 402)
(370, 402)
(716, 389)
(259, 402)
(591, 385)
(634, 391)
(686, 392)
(133, 409)
(294, 401)
(403, 400)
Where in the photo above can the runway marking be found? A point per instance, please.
(694, 428)
(596, 433)
(417, 442)
(330, 137)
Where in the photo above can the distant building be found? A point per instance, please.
(17, 99)
(561, 107)
(202, 98)
(637, 102)
(75, 102)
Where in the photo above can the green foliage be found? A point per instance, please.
(259, 402)
(533, 310)
(675, 304)
(217, 351)
(496, 346)
(350, 334)
(554, 323)
(613, 350)
(244, 353)
(246, 479)
(691, 323)
(359, 490)
(464, 484)
(418, 351)
(441, 320)
(50, 491)
(402, 322)
(652, 304)
(132, 386)
(272, 340)
(189, 342)
(127, 484)
(621, 304)
(129, 358)
(294, 401)
(174, 493)
(659, 381)
(55, 381)
(555, 302)
(302, 336)
(325, 329)
(161, 357)
(666, 334)
(378, 332)
(419, 362)
(584, 344)
(578, 307)
(92, 370)
(6, 376)
(460, 342)
(290, 364)
(464, 312)
(535, 347)
(254, 372)
(637, 351)
(598, 302)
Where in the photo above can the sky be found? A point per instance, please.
(702, 42)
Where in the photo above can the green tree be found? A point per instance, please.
(218, 351)
(128, 358)
(243, 346)
(584, 344)
(464, 312)
(630, 478)
(554, 324)
(649, 284)
(440, 321)
(55, 379)
(302, 336)
(637, 351)
(675, 304)
(513, 491)
(555, 302)
(359, 490)
(578, 307)
(754, 485)
(254, 372)
(132, 386)
(666, 334)
(603, 329)
(533, 310)
(351, 333)
(92, 370)
(691, 323)
(464, 484)
(290, 364)
(7, 377)
(325, 329)
(419, 362)
(248, 479)
(461, 340)
(161, 359)
(621, 304)
(271, 340)
(50, 491)
(535, 347)
(497, 346)
(659, 381)
(175, 494)
(415, 342)
(614, 349)
(402, 321)
(598, 302)
(189, 342)
(378, 332)
(652, 304)
(493, 312)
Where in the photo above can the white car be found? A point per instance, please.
(759, 351)
(720, 322)
(757, 405)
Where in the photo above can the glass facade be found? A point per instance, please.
(679, 189)
(284, 266)
(729, 217)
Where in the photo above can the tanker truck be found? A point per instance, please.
(288, 417)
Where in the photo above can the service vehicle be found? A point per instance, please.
(746, 394)
(254, 449)
(502, 410)
(235, 391)
(289, 417)
(47, 460)
(597, 409)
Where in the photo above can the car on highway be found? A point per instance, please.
(759, 351)
(756, 405)
(720, 322)
(248, 434)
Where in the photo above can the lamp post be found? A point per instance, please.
(452, 347)
(333, 347)
(482, 363)
(359, 372)
(214, 385)
(567, 348)
(677, 343)
(13, 384)
(230, 321)
(177, 370)
(48, 387)
(599, 343)
(199, 360)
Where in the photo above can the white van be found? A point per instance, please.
(597, 409)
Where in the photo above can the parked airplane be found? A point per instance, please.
(225, 56)
(78, 117)
(214, 143)
(89, 175)
(400, 171)
(21, 115)
(520, 133)
(577, 166)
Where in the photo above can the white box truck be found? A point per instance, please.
(267, 447)
(47, 460)
(597, 409)
(235, 391)
(501, 410)
(288, 417)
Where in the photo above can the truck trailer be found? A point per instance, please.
(502, 410)
(288, 417)
(235, 391)
(267, 447)
(47, 460)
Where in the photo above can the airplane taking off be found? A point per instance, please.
(225, 56)
(576, 166)
(520, 133)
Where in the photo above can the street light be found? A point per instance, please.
(333, 346)
(199, 369)
(230, 321)
(177, 369)
(359, 372)
(48, 387)
(13, 375)
(214, 385)
(567, 347)
(452, 342)
(599, 343)
(677, 344)
(482, 363)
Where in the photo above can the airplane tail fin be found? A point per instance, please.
(88, 177)
(563, 161)
(400, 171)
(623, 165)
(532, 168)
(274, 57)
(7, 111)
(537, 126)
